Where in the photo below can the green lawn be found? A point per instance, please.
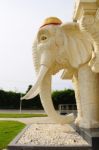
(3, 115)
(8, 130)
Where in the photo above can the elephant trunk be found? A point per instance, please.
(35, 57)
(43, 87)
(45, 95)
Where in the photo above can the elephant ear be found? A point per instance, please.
(70, 28)
(77, 44)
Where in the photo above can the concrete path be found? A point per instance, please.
(22, 111)
(28, 121)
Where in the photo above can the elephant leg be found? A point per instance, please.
(77, 96)
(89, 96)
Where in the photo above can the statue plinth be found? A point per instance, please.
(90, 135)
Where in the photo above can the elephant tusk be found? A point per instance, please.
(35, 89)
(30, 92)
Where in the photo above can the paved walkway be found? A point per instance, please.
(30, 120)
(27, 121)
(22, 111)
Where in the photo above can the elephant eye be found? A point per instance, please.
(43, 37)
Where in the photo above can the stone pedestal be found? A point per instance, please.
(90, 135)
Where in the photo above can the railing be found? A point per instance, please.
(67, 108)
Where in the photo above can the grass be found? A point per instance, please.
(8, 130)
(3, 115)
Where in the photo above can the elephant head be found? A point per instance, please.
(54, 49)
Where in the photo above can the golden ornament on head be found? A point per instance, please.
(52, 20)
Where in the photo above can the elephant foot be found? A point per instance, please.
(77, 121)
(88, 125)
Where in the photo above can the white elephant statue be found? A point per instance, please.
(64, 46)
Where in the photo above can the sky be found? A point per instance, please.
(19, 23)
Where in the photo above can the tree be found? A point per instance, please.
(11, 100)
(29, 87)
(63, 97)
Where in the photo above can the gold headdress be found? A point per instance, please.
(51, 20)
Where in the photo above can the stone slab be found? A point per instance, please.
(47, 148)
